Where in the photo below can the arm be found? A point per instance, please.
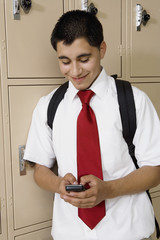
(135, 182)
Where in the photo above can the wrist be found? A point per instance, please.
(58, 184)
(112, 189)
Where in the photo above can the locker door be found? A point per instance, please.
(3, 226)
(156, 205)
(153, 91)
(29, 52)
(109, 14)
(38, 235)
(145, 48)
(31, 204)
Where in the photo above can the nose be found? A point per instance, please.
(76, 69)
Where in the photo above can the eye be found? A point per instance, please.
(65, 63)
(64, 60)
(84, 60)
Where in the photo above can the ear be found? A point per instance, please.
(103, 48)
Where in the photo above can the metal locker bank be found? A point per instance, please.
(29, 69)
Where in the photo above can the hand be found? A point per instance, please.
(67, 179)
(89, 198)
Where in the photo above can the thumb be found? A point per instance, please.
(86, 179)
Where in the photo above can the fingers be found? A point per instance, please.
(70, 178)
(80, 200)
(88, 180)
(67, 179)
(86, 199)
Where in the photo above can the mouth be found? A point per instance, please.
(79, 79)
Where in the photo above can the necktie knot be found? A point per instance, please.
(85, 96)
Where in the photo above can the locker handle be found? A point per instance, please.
(142, 17)
(26, 5)
(145, 17)
(92, 9)
(22, 164)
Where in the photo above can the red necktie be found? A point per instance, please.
(88, 155)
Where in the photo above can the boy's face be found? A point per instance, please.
(80, 62)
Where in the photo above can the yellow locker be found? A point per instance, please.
(156, 205)
(31, 205)
(42, 234)
(144, 44)
(3, 217)
(153, 91)
(29, 69)
(29, 52)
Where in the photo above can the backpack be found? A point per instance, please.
(127, 113)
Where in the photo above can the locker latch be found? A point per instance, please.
(16, 9)
(91, 8)
(22, 165)
(142, 17)
(84, 4)
(24, 4)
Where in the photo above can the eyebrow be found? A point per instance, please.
(79, 56)
(63, 57)
(84, 55)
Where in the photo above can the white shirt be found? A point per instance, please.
(128, 217)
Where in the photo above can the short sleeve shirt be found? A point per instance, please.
(130, 215)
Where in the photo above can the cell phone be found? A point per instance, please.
(75, 188)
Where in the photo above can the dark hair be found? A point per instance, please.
(76, 24)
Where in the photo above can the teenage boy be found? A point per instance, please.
(78, 40)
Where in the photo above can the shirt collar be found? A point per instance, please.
(99, 87)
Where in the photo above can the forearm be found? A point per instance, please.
(138, 181)
(46, 179)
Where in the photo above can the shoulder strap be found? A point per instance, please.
(54, 102)
(128, 114)
(128, 118)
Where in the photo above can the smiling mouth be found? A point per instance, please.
(78, 79)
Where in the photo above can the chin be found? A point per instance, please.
(81, 87)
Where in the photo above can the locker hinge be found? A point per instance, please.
(3, 44)
(10, 201)
(121, 50)
(2, 205)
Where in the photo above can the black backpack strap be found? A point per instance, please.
(128, 114)
(128, 118)
(54, 102)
